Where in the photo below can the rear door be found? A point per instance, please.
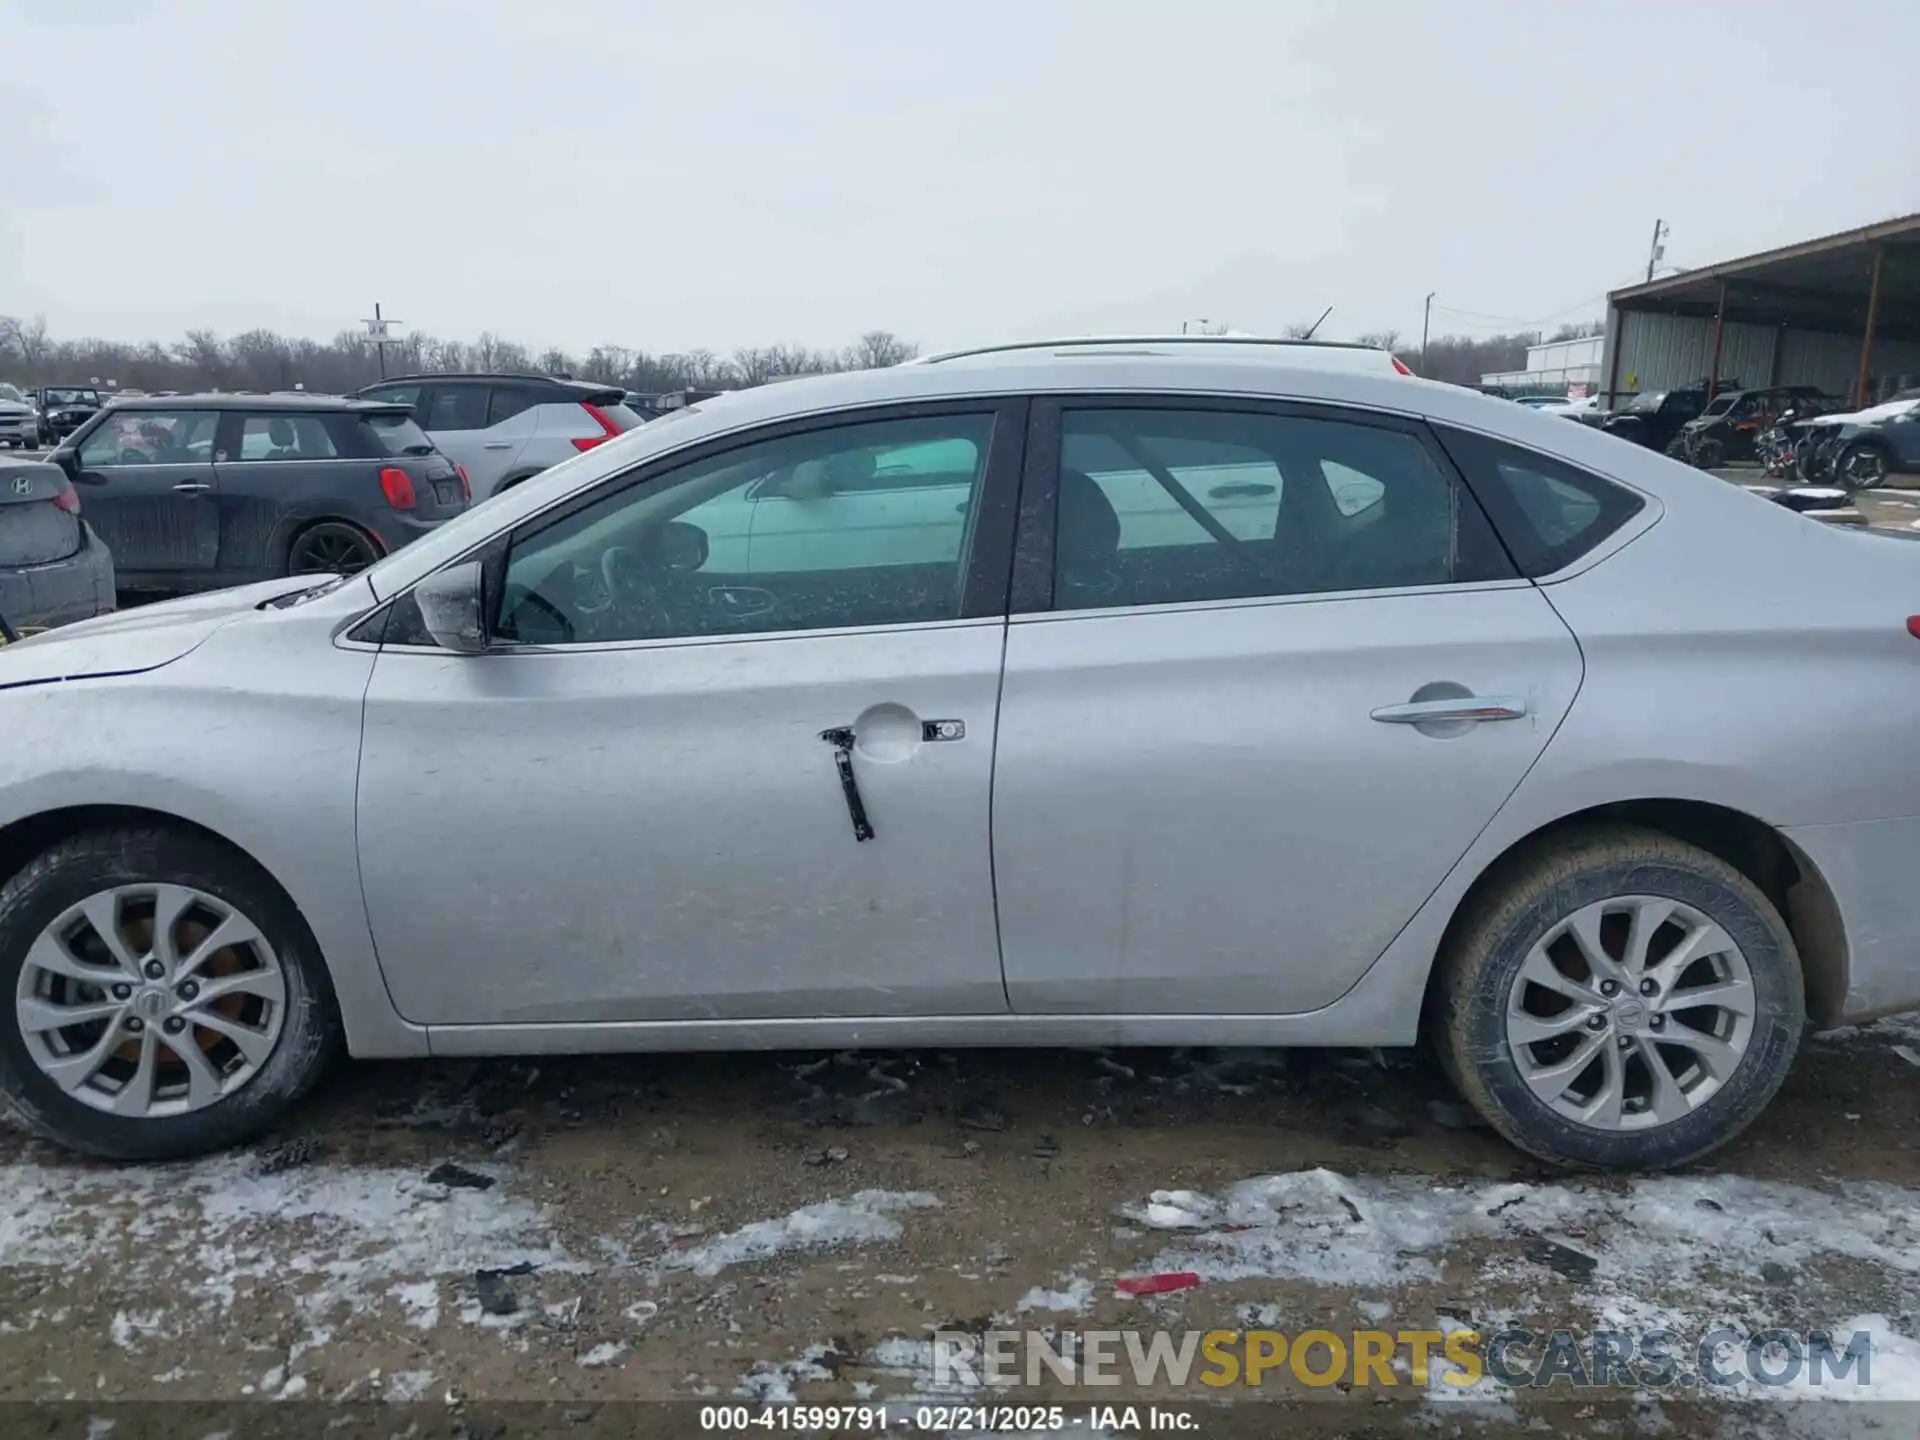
(458, 417)
(149, 490)
(1238, 746)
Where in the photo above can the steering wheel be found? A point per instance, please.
(534, 600)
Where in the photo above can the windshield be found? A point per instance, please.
(1720, 406)
(1647, 401)
(399, 434)
(472, 524)
(73, 397)
(7, 392)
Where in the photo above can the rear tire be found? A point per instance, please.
(1538, 1093)
(331, 547)
(1861, 466)
(289, 1039)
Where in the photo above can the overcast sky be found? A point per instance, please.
(728, 172)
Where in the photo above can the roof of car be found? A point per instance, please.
(295, 400)
(1257, 348)
(439, 376)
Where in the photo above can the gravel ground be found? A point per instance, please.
(452, 1237)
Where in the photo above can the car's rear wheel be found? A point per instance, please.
(1861, 466)
(1620, 998)
(166, 998)
(332, 547)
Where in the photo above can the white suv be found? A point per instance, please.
(502, 429)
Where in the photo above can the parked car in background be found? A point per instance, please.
(1081, 699)
(1654, 418)
(1728, 430)
(508, 428)
(53, 568)
(200, 491)
(1882, 440)
(64, 409)
(1586, 409)
(1540, 402)
(19, 419)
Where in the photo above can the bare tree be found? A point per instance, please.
(1299, 329)
(878, 349)
(1384, 339)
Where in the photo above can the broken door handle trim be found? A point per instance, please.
(1464, 707)
(841, 739)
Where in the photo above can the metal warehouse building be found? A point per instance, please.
(1841, 312)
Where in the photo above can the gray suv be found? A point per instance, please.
(505, 428)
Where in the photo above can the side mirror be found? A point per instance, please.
(679, 545)
(451, 605)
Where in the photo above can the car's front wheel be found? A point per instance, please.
(166, 999)
(1620, 998)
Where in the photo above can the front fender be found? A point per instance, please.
(251, 737)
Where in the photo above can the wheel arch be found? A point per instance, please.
(33, 835)
(292, 528)
(1781, 870)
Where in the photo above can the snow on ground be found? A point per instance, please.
(203, 1233)
(1684, 1253)
(866, 1216)
(1317, 1226)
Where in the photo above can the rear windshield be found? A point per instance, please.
(73, 397)
(619, 416)
(398, 433)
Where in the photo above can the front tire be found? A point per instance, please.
(1861, 466)
(159, 995)
(1619, 999)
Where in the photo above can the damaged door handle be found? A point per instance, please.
(841, 739)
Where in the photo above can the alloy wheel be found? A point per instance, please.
(150, 1000)
(1630, 1013)
(330, 550)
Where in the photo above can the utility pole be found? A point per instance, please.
(1656, 251)
(1426, 321)
(377, 332)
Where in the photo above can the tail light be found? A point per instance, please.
(399, 487)
(607, 428)
(67, 498)
(1913, 626)
(466, 485)
(1399, 367)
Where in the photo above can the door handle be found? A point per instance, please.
(497, 445)
(841, 739)
(192, 487)
(1460, 707)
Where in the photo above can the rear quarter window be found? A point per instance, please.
(1548, 513)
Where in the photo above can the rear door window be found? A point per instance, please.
(1548, 513)
(508, 401)
(457, 407)
(286, 437)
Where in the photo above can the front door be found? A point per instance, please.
(148, 489)
(648, 800)
(1236, 748)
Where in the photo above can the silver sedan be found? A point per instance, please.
(1155, 695)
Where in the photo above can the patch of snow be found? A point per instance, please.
(771, 1383)
(864, 1217)
(900, 1358)
(602, 1355)
(1077, 1294)
(128, 1328)
(173, 1376)
(1373, 1310)
(406, 1386)
(205, 1233)
(420, 1302)
(1385, 1232)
